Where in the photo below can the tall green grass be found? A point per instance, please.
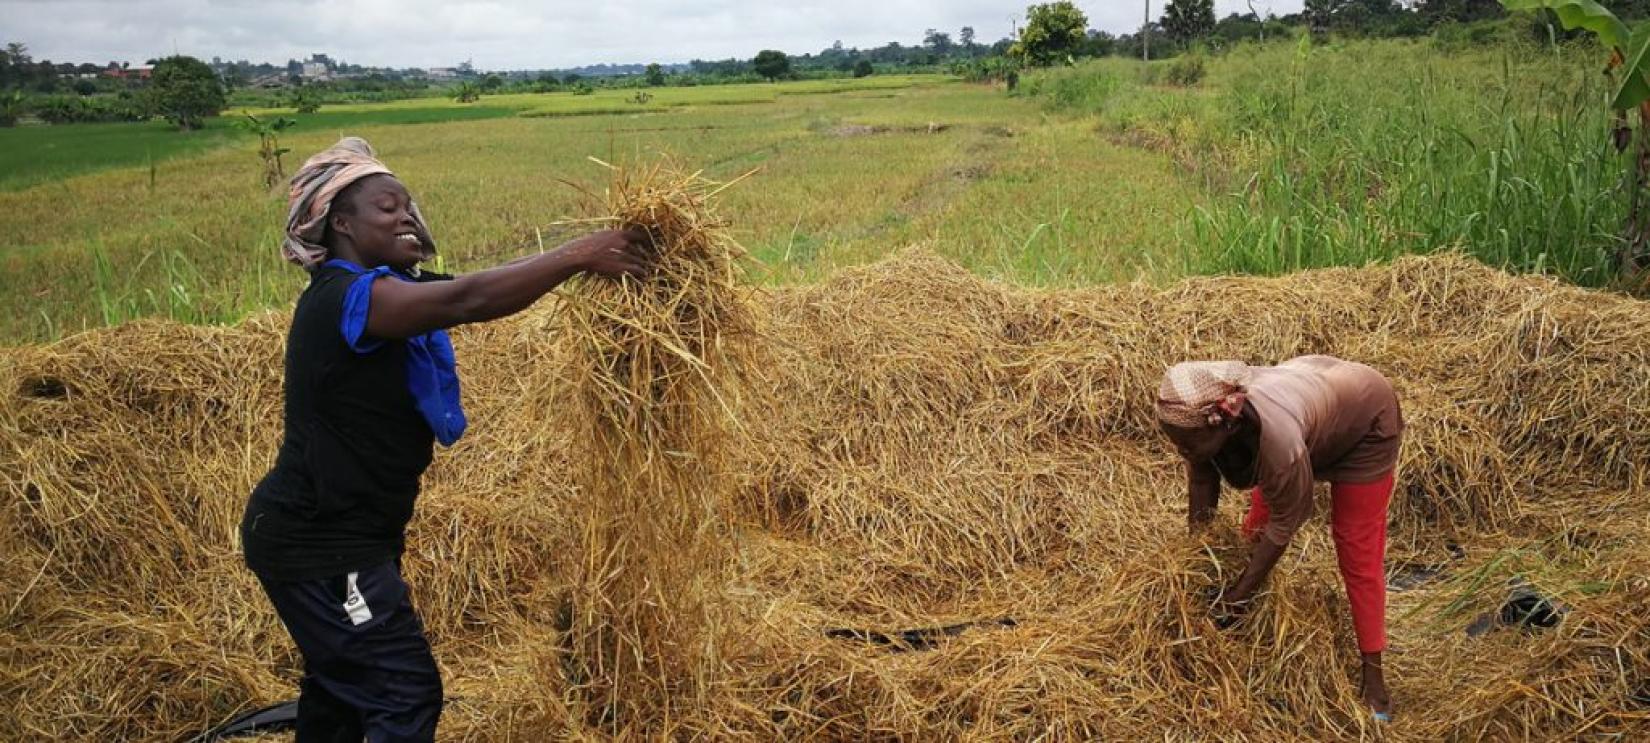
(1363, 151)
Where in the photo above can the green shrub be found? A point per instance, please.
(76, 109)
(11, 108)
(1185, 71)
(1182, 71)
(1087, 87)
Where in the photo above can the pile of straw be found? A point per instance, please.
(922, 448)
(648, 395)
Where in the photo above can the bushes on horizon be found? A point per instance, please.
(77, 109)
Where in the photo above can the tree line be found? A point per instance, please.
(1183, 24)
(1056, 32)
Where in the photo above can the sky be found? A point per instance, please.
(514, 34)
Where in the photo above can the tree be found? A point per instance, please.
(1354, 18)
(1053, 31)
(1461, 11)
(492, 83)
(1319, 13)
(45, 76)
(14, 65)
(185, 91)
(863, 68)
(467, 92)
(938, 42)
(1099, 44)
(966, 36)
(771, 64)
(655, 75)
(1234, 28)
(1186, 20)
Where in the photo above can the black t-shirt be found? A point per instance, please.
(342, 489)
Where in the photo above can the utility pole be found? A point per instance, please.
(1146, 35)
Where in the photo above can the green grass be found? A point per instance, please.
(844, 176)
(621, 99)
(1358, 152)
(1282, 157)
(31, 155)
(37, 154)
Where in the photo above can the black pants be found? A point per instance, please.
(368, 671)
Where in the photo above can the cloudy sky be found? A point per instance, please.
(512, 34)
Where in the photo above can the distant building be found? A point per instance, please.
(316, 71)
(441, 73)
(272, 80)
(129, 73)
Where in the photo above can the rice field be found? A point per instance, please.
(872, 456)
(193, 237)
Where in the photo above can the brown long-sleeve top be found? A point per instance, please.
(1320, 418)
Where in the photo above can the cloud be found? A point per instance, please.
(512, 34)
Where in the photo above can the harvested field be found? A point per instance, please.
(919, 448)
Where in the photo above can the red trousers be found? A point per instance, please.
(1358, 523)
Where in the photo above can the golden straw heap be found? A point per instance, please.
(903, 503)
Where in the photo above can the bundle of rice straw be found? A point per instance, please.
(932, 448)
(648, 400)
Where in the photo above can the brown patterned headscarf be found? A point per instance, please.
(1191, 392)
(314, 187)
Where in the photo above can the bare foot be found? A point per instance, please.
(1374, 686)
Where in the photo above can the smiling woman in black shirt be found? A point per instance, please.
(371, 385)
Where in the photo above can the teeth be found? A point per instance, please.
(408, 236)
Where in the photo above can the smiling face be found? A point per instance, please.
(372, 225)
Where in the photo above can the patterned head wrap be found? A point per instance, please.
(1192, 391)
(314, 187)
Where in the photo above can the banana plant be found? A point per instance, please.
(269, 144)
(1630, 59)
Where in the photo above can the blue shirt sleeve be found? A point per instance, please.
(353, 322)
